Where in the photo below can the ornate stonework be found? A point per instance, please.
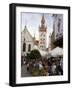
(42, 34)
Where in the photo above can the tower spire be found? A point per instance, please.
(25, 23)
(43, 20)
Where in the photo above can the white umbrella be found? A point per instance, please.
(43, 53)
(56, 52)
(48, 55)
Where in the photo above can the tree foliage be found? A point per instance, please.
(34, 54)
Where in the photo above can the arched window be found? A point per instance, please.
(24, 47)
(29, 47)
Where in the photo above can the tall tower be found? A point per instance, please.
(42, 34)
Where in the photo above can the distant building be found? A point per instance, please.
(27, 42)
(42, 34)
(57, 35)
(49, 46)
(53, 40)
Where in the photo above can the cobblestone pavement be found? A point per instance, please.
(24, 72)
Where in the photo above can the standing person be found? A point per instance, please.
(61, 63)
(27, 66)
(53, 68)
(59, 70)
(40, 66)
(24, 62)
(46, 69)
(50, 66)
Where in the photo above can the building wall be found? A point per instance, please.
(49, 46)
(42, 40)
(52, 40)
(27, 39)
(58, 18)
(57, 35)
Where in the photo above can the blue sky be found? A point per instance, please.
(33, 20)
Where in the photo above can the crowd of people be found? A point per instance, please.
(56, 66)
(47, 67)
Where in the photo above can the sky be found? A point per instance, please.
(33, 20)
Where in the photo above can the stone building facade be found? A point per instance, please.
(57, 35)
(27, 42)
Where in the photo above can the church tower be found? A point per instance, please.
(42, 34)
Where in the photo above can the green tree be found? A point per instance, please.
(35, 54)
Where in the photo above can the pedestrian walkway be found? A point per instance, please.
(24, 72)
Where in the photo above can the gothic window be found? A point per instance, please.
(24, 39)
(24, 47)
(29, 47)
(44, 35)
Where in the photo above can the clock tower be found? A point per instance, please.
(42, 34)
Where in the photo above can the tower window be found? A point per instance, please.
(24, 47)
(29, 47)
(44, 35)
